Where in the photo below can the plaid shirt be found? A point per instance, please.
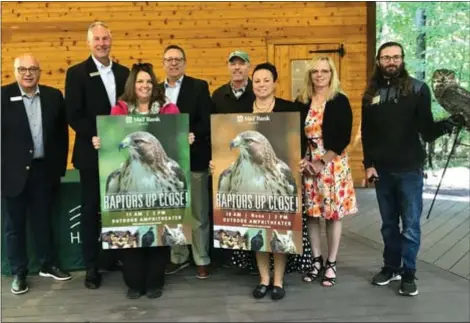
(239, 92)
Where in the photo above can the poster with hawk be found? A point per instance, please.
(256, 182)
(144, 175)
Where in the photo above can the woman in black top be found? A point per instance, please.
(264, 84)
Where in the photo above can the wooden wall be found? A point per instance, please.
(55, 32)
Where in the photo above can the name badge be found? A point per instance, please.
(94, 74)
(16, 98)
(376, 99)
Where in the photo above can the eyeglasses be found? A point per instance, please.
(395, 58)
(142, 65)
(23, 70)
(177, 60)
(320, 71)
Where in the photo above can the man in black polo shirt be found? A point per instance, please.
(237, 95)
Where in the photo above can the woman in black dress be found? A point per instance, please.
(264, 85)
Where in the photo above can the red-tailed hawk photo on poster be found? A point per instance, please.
(257, 183)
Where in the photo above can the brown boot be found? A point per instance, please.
(202, 272)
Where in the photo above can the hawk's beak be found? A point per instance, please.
(235, 143)
(124, 143)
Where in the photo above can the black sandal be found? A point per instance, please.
(331, 280)
(316, 272)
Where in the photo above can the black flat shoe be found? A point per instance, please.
(133, 294)
(154, 293)
(260, 291)
(278, 293)
(92, 279)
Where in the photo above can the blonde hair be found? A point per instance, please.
(308, 89)
(96, 24)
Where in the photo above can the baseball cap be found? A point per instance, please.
(240, 54)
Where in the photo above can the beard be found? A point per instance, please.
(392, 70)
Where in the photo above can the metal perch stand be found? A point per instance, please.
(454, 145)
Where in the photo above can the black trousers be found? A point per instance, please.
(34, 203)
(144, 268)
(90, 222)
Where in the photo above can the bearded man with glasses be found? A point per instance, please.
(396, 115)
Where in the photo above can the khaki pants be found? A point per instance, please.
(200, 210)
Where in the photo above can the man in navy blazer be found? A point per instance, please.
(34, 158)
(92, 88)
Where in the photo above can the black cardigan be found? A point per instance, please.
(281, 105)
(337, 124)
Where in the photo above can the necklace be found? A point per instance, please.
(268, 108)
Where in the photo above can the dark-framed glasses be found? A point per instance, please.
(177, 60)
(23, 70)
(395, 58)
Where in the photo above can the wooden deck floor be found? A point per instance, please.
(445, 240)
(226, 296)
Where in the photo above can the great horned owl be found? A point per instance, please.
(282, 243)
(450, 95)
(173, 236)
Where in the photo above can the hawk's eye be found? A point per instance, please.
(138, 141)
(249, 140)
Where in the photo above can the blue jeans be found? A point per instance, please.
(400, 195)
